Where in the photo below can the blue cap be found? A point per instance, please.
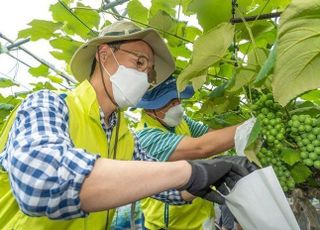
(163, 94)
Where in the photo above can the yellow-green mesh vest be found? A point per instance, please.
(190, 216)
(86, 132)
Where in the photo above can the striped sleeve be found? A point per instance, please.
(197, 129)
(157, 143)
(172, 196)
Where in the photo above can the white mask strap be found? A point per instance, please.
(105, 69)
(114, 56)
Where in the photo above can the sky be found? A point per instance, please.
(14, 16)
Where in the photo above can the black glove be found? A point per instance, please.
(214, 172)
(239, 160)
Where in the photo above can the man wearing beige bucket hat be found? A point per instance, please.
(63, 156)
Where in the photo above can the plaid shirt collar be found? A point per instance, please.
(112, 122)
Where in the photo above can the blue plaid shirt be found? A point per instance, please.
(46, 170)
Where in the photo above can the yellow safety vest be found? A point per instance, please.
(195, 216)
(87, 133)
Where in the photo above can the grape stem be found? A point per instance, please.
(289, 143)
(287, 112)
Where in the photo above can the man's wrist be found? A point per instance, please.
(185, 170)
(187, 196)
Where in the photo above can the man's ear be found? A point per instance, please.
(102, 53)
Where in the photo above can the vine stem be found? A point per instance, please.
(290, 144)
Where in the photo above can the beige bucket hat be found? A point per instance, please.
(123, 30)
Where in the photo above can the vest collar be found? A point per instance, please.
(88, 99)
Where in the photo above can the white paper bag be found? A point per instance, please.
(258, 203)
(242, 135)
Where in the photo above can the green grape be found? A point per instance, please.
(303, 148)
(278, 146)
(305, 141)
(270, 115)
(304, 155)
(295, 124)
(308, 162)
(273, 132)
(270, 138)
(316, 164)
(269, 154)
(307, 128)
(273, 122)
(311, 137)
(260, 155)
(301, 128)
(263, 161)
(316, 143)
(263, 98)
(278, 126)
(280, 136)
(302, 118)
(265, 121)
(300, 143)
(265, 111)
(317, 150)
(287, 173)
(285, 188)
(261, 116)
(308, 121)
(280, 173)
(291, 184)
(269, 103)
(310, 147)
(313, 156)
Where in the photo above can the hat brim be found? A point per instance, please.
(82, 59)
(164, 99)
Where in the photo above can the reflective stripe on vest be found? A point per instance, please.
(86, 132)
(191, 216)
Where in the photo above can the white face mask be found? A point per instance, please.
(128, 85)
(173, 116)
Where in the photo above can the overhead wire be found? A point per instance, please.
(16, 65)
(79, 19)
(130, 19)
(29, 66)
(42, 61)
(14, 81)
(14, 68)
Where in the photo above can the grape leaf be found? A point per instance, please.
(290, 156)
(300, 173)
(6, 83)
(207, 50)
(298, 54)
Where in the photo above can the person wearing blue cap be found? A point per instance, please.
(168, 135)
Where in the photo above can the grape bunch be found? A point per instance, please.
(272, 157)
(273, 129)
(271, 116)
(305, 131)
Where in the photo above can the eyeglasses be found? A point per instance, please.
(143, 64)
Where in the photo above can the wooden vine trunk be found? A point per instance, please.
(306, 214)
